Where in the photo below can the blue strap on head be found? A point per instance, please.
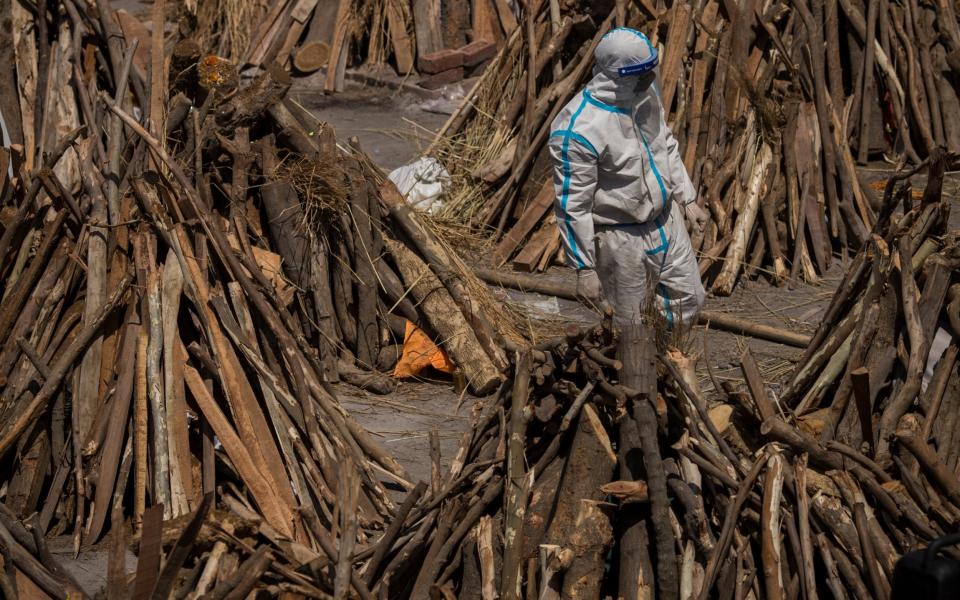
(641, 68)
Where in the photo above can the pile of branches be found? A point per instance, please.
(880, 373)
(773, 105)
(187, 262)
(601, 469)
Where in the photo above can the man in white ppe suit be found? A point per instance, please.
(622, 190)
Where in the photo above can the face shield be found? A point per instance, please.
(625, 63)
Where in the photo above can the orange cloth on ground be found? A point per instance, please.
(419, 352)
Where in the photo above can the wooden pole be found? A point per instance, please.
(638, 355)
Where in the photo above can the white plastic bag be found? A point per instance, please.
(421, 183)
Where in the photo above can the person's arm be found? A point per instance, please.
(575, 179)
(684, 192)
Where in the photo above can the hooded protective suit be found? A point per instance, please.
(621, 185)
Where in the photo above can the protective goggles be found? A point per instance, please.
(641, 68)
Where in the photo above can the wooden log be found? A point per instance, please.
(878, 584)
(758, 391)
(248, 105)
(743, 229)
(636, 570)
(298, 18)
(726, 534)
(174, 404)
(770, 523)
(833, 577)
(516, 484)
(589, 465)
(554, 561)
(119, 412)
(531, 216)
(919, 349)
(589, 541)
(25, 53)
(507, 19)
(713, 319)
(483, 20)
(348, 488)
(539, 244)
(931, 463)
(311, 56)
(866, 91)
(239, 584)
(46, 581)
(339, 46)
(366, 286)
(767, 210)
(698, 78)
(540, 506)
(368, 379)
(445, 318)
(25, 414)
(266, 497)
(803, 519)
(445, 269)
(389, 536)
(637, 353)
(88, 394)
(9, 103)
(675, 48)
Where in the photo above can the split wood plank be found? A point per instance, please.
(426, 23)
(483, 20)
(676, 49)
(403, 44)
(508, 20)
(299, 16)
(333, 81)
(534, 213)
(529, 258)
(263, 492)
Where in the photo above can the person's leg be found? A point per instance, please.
(679, 290)
(621, 265)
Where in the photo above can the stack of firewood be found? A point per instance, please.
(405, 36)
(188, 261)
(773, 105)
(600, 469)
(887, 346)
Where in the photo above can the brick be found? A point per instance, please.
(442, 60)
(478, 51)
(438, 80)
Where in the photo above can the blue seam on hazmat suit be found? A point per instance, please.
(566, 184)
(577, 137)
(664, 244)
(604, 106)
(666, 304)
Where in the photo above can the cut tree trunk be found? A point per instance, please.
(445, 318)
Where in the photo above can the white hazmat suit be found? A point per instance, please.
(621, 187)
